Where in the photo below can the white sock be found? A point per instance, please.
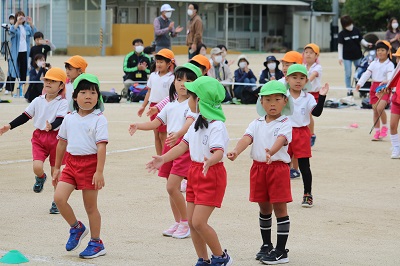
(384, 125)
(395, 140)
(377, 129)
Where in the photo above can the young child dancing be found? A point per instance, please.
(84, 135)
(207, 140)
(269, 175)
(381, 71)
(48, 112)
(304, 104)
(178, 118)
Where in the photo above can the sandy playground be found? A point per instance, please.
(356, 191)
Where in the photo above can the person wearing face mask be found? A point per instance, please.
(246, 93)
(136, 65)
(271, 71)
(393, 34)
(221, 71)
(194, 29)
(164, 28)
(37, 72)
(349, 48)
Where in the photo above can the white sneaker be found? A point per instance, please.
(6, 92)
(171, 230)
(395, 153)
(183, 231)
(183, 185)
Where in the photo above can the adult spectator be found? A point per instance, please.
(393, 34)
(349, 48)
(221, 72)
(164, 28)
(194, 29)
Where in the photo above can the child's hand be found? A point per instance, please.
(132, 129)
(4, 129)
(232, 155)
(324, 90)
(358, 87)
(206, 166)
(152, 111)
(140, 111)
(98, 180)
(155, 164)
(55, 176)
(48, 126)
(268, 157)
(172, 139)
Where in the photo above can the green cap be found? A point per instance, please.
(210, 93)
(274, 87)
(93, 79)
(191, 67)
(14, 257)
(296, 68)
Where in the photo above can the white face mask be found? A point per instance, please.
(271, 66)
(139, 49)
(350, 27)
(218, 59)
(39, 63)
(168, 14)
(395, 25)
(190, 12)
(242, 64)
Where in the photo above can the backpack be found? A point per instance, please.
(137, 93)
(110, 97)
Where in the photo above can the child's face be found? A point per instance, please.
(382, 53)
(310, 56)
(285, 66)
(180, 87)
(203, 51)
(52, 87)
(87, 99)
(193, 104)
(72, 73)
(273, 104)
(38, 41)
(162, 66)
(297, 81)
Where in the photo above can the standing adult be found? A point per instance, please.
(164, 28)
(20, 33)
(349, 48)
(393, 34)
(194, 29)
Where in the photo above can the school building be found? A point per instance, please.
(260, 25)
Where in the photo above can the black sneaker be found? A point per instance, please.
(276, 257)
(307, 201)
(349, 93)
(54, 209)
(264, 251)
(38, 186)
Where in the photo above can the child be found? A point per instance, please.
(304, 104)
(269, 175)
(41, 47)
(158, 87)
(48, 111)
(310, 57)
(381, 71)
(207, 140)
(244, 75)
(177, 116)
(36, 73)
(74, 66)
(84, 135)
(271, 71)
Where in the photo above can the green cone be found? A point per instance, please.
(14, 257)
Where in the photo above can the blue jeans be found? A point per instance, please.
(347, 70)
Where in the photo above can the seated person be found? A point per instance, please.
(271, 71)
(244, 75)
(224, 53)
(220, 71)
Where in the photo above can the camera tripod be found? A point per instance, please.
(5, 50)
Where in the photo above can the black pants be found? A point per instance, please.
(22, 65)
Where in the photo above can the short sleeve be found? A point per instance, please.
(30, 110)
(62, 132)
(62, 111)
(318, 69)
(286, 130)
(340, 38)
(149, 81)
(102, 130)
(162, 116)
(191, 115)
(187, 135)
(217, 138)
(250, 130)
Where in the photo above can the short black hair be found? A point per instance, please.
(220, 46)
(346, 21)
(38, 35)
(136, 41)
(85, 85)
(149, 49)
(195, 6)
(37, 57)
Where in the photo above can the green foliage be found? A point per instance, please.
(323, 5)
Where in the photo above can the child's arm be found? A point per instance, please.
(144, 126)
(215, 158)
(98, 177)
(174, 136)
(158, 107)
(20, 120)
(313, 76)
(242, 144)
(279, 143)
(145, 102)
(172, 154)
(317, 111)
(51, 45)
(365, 76)
(60, 151)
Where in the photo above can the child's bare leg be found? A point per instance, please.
(38, 168)
(163, 137)
(265, 207)
(198, 242)
(381, 110)
(311, 125)
(157, 142)
(295, 163)
(90, 202)
(200, 224)
(177, 201)
(280, 209)
(61, 196)
(375, 117)
(394, 123)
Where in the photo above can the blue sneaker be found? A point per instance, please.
(75, 237)
(93, 250)
(38, 186)
(313, 138)
(294, 173)
(221, 261)
(202, 262)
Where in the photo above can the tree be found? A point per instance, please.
(323, 5)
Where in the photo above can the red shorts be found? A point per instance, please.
(44, 144)
(162, 128)
(206, 190)
(179, 166)
(315, 94)
(373, 99)
(79, 171)
(270, 182)
(395, 107)
(300, 146)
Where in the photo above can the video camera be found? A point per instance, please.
(5, 26)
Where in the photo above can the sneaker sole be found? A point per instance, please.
(80, 239)
(306, 206)
(100, 253)
(181, 237)
(53, 212)
(281, 261)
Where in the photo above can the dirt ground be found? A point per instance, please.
(356, 188)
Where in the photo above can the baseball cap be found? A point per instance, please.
(57, 74)
(313, 46)
(93, 79)
(271, 58)
(202, 60)
(210, 93)
(166, 7)
(274, 87)
(77, 61)
(167, 53)
(242, 56)
(293, 57)
(215, 50)
(296, 68)
(397, 54)
(191, 67)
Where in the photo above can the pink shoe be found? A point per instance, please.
(183, 231)
(376, 135)
(383, 133)
(170, 231)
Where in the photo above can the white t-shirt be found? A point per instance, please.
(205, 140)
(283, 80)
(159, 86)
(174, 115)
(303, 106)
(69, 90)
(379, 71)
(264, 135)
(83, 133)
(316, 83)
(41, 110)
(22, 39)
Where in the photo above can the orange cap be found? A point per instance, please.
(313, 46)
(77, 61)
(167, 53)
(397, 54)
(293, 57)
(57, 74)
(202, 60)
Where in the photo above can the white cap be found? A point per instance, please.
(166, 7)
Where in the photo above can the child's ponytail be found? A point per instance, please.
(201, 123)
